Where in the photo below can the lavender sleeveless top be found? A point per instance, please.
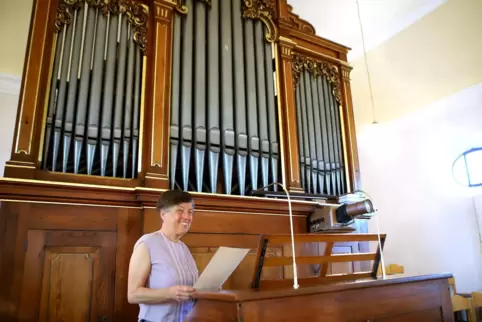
(171, 264)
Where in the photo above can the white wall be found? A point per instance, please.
(14, 26)
(406, 166)
(9, 91)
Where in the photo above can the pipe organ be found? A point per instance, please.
(122, 99)
(193, 95)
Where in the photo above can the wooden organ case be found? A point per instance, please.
(123, 99)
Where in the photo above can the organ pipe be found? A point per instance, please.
(92, 124)
(224, 134)
(317, 99)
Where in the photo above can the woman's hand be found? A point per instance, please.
(181, 292)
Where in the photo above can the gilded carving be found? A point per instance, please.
(345, 73)
(263, 10)
(136, 14)
(295, 21)
(181, 8)
(65, 11)
(317, 68)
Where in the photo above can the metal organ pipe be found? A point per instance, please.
(96, 81)
(230, 73)
(200, 92)
(319, 129)
(213, 91)
(239, 97)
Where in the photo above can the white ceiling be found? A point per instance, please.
(338, 20)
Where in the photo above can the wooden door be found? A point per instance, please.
(68, 276)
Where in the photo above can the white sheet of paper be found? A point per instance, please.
(219, 268)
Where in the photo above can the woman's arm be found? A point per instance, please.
(139, 268)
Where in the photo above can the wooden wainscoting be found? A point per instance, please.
(67, 244)
(211, 228)
(66, 262)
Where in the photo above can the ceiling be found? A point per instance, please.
(338, 20)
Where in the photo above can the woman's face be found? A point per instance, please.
(179, 218)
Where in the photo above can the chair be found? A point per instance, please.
(391, 269)
(476, 305)
(461, 303)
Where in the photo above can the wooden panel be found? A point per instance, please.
(9, 262)
(352, 305)
(44, 292)
(128, 231)
(69, 274)
(82, 223)
(45, 216)
(430, 315)
(210, 311)
(291, 171)
(203, 247)
(193, 240)
(72, 194)
(230, 222)
(347, 118)
(156, 143)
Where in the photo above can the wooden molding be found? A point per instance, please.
(289, 134)
(349, 131)
(301, 62)
(139, 197)
(25, 143)
(158, 94)
(263, 10)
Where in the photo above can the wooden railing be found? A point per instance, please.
(324, 260)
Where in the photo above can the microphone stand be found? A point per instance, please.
(295, 270)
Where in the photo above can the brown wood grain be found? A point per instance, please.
(287, 109)
(59, 264)
(233, 223)
(416, 298)
(129, 229)
(349, 126)
(156, 129)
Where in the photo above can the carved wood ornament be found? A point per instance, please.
(265, 11)
(317, 68)
(137, 15)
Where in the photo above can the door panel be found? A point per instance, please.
(72, 272)
(68, 276)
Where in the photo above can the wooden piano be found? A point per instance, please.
(358, 296)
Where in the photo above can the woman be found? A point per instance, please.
(162, 270)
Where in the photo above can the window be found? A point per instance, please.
(467, 168)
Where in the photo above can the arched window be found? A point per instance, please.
(467, 168)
